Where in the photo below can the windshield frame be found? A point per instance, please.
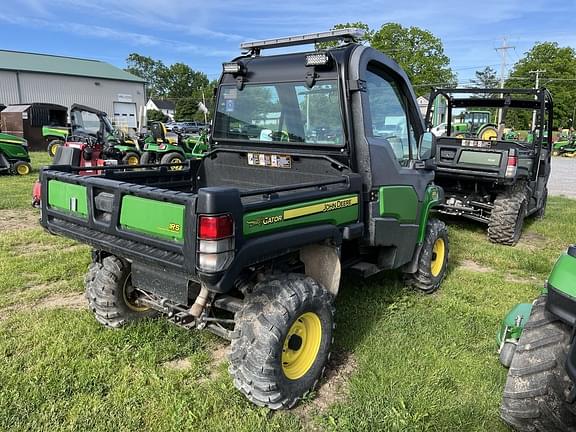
(300, 145)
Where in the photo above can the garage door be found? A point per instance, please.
(125, 114)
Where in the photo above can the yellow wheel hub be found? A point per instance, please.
(133, 160)
(128, 297)
(301, 345)
(176, 161)
(489, 134)
(23, 169)
(438, 255)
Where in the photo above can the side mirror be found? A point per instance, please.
(427, 146)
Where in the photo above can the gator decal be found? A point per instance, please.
(67, 197)
(155, 218)
(337, 211)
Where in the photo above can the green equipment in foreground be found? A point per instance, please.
(14, 157)
(158, 149)
(302, 180)
(536, 344)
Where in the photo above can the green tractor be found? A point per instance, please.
(14, 157)
(536, 344)
(159, 149)
(475, 124)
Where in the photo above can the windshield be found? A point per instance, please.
(283, 112)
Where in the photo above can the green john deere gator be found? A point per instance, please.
(536, 343)
(301, 181)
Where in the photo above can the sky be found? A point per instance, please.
(205, 34)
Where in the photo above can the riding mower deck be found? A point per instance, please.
(158, 149)
(536, 344)
(14, 157)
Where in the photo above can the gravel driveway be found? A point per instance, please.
(563, 177)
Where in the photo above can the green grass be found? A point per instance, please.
(17, 190)
(423, 362)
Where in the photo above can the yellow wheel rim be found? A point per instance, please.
(176, 161)
(301, 345)
(438, 255)
(130, 302)
(23, 169)
(460, 135)
(53, 149)
(488, 134)
(133, 160)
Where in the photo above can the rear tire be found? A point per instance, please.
(281, 341)
(537, 384)
(53, 147)
(173, 158)
(433, 259)
(507, 218)
(131, 158)
(108, 290)
(488, 133)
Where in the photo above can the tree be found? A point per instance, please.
(486, 78)
(418, 52)
(155, 115)
(153, 71)
(184, 82)
(560, 65)
(186, 109)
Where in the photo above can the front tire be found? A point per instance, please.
(537, 383)
(281, 341)
(110, 293)
(173, 158)
(507, 218)
(433, 258)
(22, 168)
(131, 158)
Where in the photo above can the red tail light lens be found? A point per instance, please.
(215, 227)
(512, 161)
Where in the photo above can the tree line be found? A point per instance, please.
(418, 51)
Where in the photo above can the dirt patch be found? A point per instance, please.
(532, 241)
(68, 301)
(333, 387)
(474, 266)
(520, 279)
(18, 219)
(218, 355)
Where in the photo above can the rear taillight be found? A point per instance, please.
(215, 243)
(511, 165)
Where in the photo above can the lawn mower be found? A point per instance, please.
(565, 146)
(536, 344)
(14, 157)
(86, 121)
(158, 149)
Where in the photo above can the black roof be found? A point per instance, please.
(164, 104)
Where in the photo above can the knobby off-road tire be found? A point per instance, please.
(266, 363)
(508, 214)
(108, 292)
(537, 384)
(541, 212)
(433, 259)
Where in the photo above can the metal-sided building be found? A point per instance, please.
(28, 77)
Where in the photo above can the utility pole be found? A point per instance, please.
(503, 51)
(536, 72)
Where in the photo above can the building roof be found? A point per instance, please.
(53, 64)
(164, 104)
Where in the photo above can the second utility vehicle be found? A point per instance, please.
(495, 180)
(249, 241)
